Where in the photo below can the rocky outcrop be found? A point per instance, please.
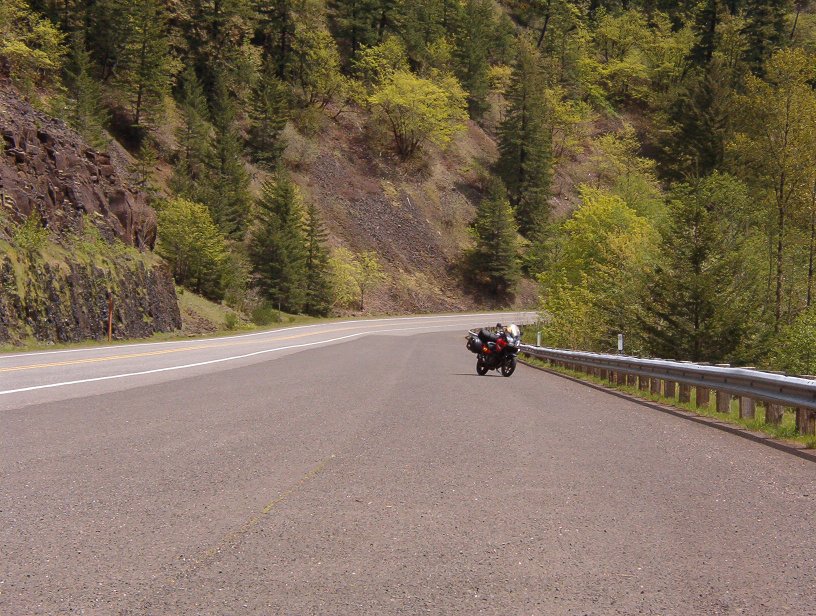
(100, 232)
(48, 168)
(67, 302)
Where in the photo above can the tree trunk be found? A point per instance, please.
(780, 246)
(811, 249)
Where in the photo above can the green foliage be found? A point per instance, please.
(525, 143)
(318, 287)
(144, 167)
(765, 31)
(354, 276)
(86, 113)
(31, 237)
(775, 150)
(276, 246)
(268, 112)
(145, 67)
(377, 64)
(618, 167)
(191, 172)
(794, 349)
(266, 315)
(229, 197)
(698, 303)
(493, 263)
(418, 111)
(600, 256)
(473, 41)
(316, 67)
(231, 321)
(193, 246)
(30, 46)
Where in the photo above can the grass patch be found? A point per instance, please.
(786, 430)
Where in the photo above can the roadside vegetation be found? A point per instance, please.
(654, 170)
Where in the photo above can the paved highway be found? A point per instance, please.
(370, 471)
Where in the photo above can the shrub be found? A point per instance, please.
(31, 236)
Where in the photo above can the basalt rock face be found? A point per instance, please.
(46, 167)
(68, 301)
(100, 233)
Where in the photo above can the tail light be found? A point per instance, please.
(485, 349)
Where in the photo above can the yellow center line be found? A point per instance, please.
(94, 360)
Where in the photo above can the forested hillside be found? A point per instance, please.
(651, 165)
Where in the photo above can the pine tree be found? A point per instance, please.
(276, 30)
(356, 22)
(765, 31)
(473, 42)
(216, 32)
(230, 198)
(276, 248)
(144, 166)
(525, 160)
(191, 173)
(703, 117)
(696, 306)
(145, 70)
(86, 114)
(493, 263)
(318, 298)
(269, 111)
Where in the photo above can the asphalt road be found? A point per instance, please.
(379, 475)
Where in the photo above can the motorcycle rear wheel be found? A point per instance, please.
(508, 366)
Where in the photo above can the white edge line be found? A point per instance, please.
(206, 363)
(261, 333)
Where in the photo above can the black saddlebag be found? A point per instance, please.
(474, 345)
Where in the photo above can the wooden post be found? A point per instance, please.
(110, 316)
(669, 388)
(631, 380)
(685, 393)
(723, 402)
(774, 413)
(702, 397)
(806, 421)
(643, 383)
(655, 388)
(747, 408)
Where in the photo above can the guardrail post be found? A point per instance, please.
(702, 397)
(669, 388)
(806, 421)
(631, 380)
(643, 383)
(774, 413)
(723, 402)
(747, 408)
(655, 388)
(684, 394)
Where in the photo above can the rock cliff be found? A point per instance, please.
(92, 234)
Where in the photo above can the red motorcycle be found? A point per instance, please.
(495, 351)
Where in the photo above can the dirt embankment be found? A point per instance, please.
(57, 291)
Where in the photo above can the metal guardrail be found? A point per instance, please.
(751, 386)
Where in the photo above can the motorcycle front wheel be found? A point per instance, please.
(508, 366)
(481, 367)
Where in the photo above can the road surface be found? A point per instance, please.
(377, 474)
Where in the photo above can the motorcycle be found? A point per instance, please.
(495, 351)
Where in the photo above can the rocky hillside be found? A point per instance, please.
(71, 230)
(414, 216)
